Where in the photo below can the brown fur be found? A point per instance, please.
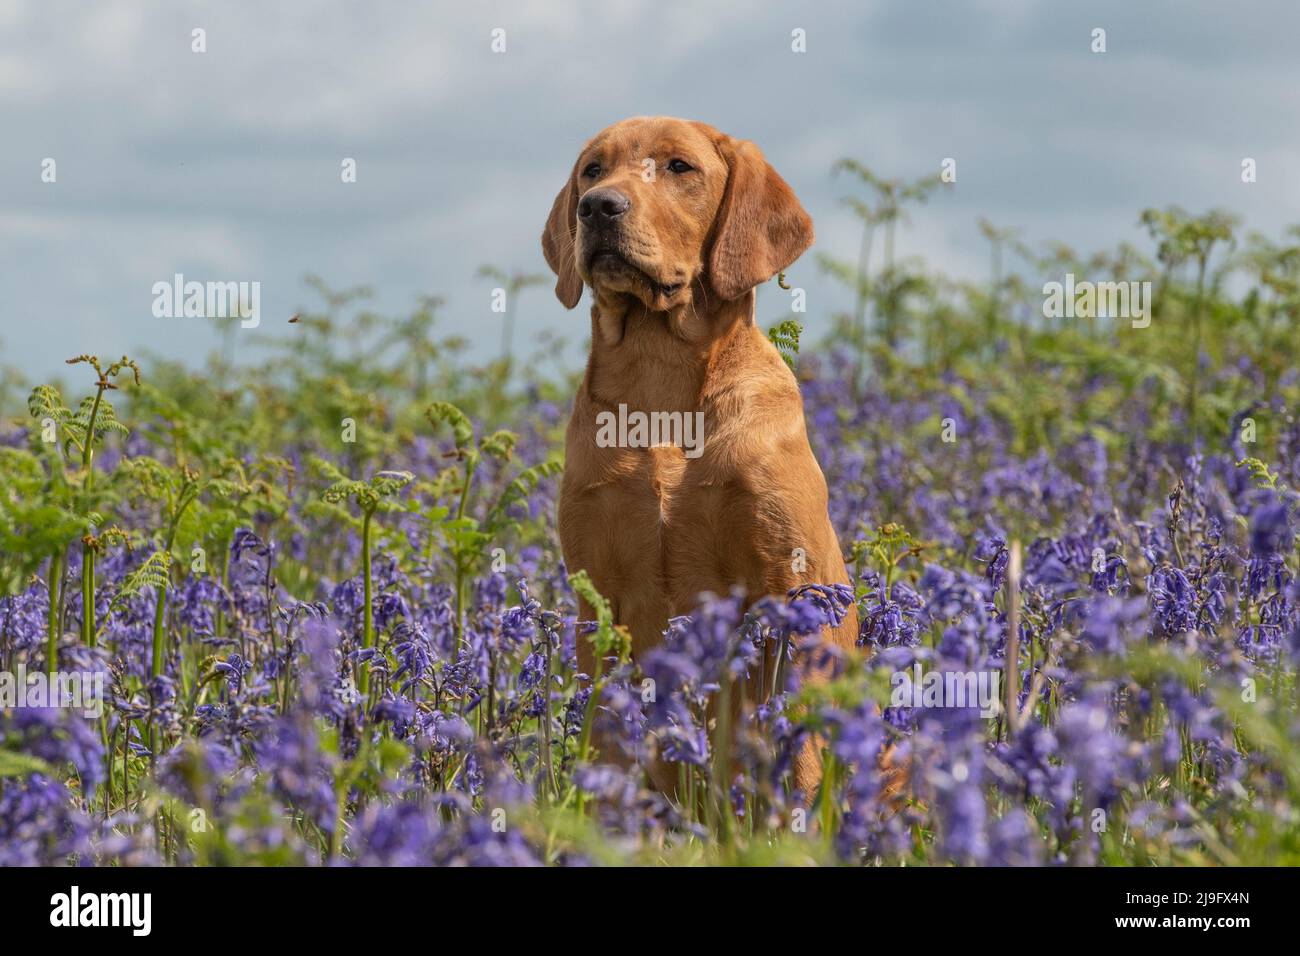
(673, 330)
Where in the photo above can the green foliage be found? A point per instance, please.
(371, 495)
(461, 428)
(153, 573)
(785, 336)
(19, 764)
(36, 515)
(224, 442)
(1261, 473)
(523, 485)
(887, 547)
(608, 639)
(46, 403)
(466, 537)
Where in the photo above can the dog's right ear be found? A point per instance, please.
(560, 242)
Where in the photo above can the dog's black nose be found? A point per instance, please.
(600, 207)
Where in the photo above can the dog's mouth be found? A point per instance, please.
(609, 259)
(612, 264)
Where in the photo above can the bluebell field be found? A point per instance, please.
(207, 535)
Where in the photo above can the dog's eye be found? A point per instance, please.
(592, 170)
(679, 166)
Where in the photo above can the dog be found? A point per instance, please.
(672, 225)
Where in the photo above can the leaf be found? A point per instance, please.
(152, 476)
(105, 417)
(1260, 472)
(343, 490)
(389, 483)
(785, 336)
(499, 445)
(153, 573)
(46, 402)
(518, 490)
(447, 413)
(327, 469)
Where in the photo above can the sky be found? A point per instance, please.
(225, 165)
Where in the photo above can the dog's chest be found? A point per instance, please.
(644, 483)
(665, 470)
(654, 521)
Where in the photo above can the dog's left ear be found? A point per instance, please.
(560, 241)
(761, 227)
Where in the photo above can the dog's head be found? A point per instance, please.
(654, 204)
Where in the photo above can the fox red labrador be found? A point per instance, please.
(672, 224)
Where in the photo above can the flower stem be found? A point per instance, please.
(548, 768)
(368, 614)
(1013, 641)
(471, 464)
(588, 719)
(159, 632)
(87, 549)
(52, 619)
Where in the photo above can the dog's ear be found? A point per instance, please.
(761, 227)
(560, 240)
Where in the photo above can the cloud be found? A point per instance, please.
(225, 165)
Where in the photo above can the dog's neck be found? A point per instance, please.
(660, 360)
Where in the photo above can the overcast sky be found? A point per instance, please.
(225, 165)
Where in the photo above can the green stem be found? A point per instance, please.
(88, 450)
(471, 463)
(828, 797)
(159, 631)
(491, 692)
(108, 783)
(88, 595)
(87, 551)
(368, 614)
(126, 767)
(588, 719)
(160, 608)
(547, 765)
(52, 618)
(159, 619)
(589, 715)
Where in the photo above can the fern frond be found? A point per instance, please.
(153, 573)
(446, 413)
(785, 336)
(499, 445)
(519, 489)
(46, 402)
(608, 638)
